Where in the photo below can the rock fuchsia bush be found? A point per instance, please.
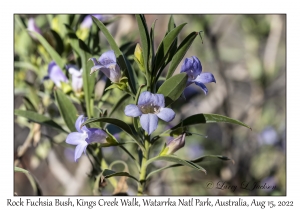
(147, 97)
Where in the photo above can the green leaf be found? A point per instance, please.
(17, 169)
(165, 45)
(120, 101)
(171, 23)
(175, 159)
(193, 161)
(181, 50)
(66, 108)
(54, 55)
(173, 88)
(109, 173)
(35, 186)
(26, 65)
(38, 118)
(200, 159)
(119, 55)
(88, 80)
(130, 73)
(152, 55)
(74, 41)
(145, 39)
(207, 118)
(118, 123)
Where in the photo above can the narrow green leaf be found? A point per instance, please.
(66, 108)
(88, 80)
(26, 65)
(35, 186)
(38, 118)
(164, 47)
(118, 123)
(17, 169)
(200, 159)
(108, 36)
(181, 50)
(145, 39)
(74, 41)
(173, 158)
(120, 101)
(207, 118)
(152, 55)
(193, 161)
(133, 81)
(109, 173)
(171, 23)
(173, 88)
(54, 55)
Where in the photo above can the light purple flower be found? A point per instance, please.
(84, 136)
(77, 81)
(150, 107)
(88, 21)
(56, 74)
(192, 66)
(107, 63)
(32, 26)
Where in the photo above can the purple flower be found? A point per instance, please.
(56, 74)
(174, 145)
(192, 66)
(84, 136)
(77, 81)
(150, 107)
(32, 26)
(107, 63)
(88, 21)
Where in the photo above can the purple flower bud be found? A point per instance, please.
(150, 107)
(56, 74)
(107, 63)
(174, 145)
(84, 137)
(192, 66)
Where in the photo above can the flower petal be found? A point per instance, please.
(202, 86)
(132, 110)
(96, 68)
(149, 122)
(96, 63)
(145, 98)
(77, 83)
(96, 135)
(74, 70)
(158, 100)
(76, 138)
(205, 78)
(108, 58)
(166, 114)
(192, 66)
(56, 74)
(80, 149)
(81, 119)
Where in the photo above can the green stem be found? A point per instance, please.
(143, 171)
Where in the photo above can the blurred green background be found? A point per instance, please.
(246, 54)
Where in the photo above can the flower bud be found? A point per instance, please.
(138, 57)
(174, 145)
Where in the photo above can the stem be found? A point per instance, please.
(143, 166)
